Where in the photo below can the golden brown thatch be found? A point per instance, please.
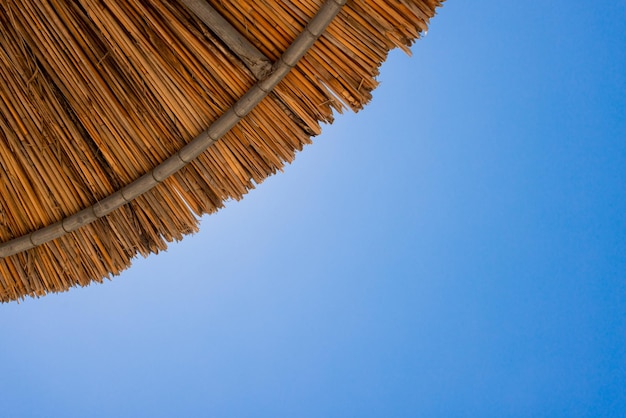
(97, 93)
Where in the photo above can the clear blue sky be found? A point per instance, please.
(457, 249)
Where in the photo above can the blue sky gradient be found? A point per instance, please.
(457, 249)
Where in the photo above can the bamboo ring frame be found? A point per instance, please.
(193, 149)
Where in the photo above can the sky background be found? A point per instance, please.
(457, 249)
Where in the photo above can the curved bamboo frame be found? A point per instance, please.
(193, 149)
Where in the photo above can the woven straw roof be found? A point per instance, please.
(102, 100)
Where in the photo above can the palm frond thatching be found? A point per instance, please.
(94, 94)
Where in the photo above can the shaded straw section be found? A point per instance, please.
(93, 94)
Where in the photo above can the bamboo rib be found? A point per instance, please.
(95, 94)
(256, 62)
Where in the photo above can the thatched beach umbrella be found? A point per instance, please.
(123, 121)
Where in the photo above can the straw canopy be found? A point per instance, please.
(123, 121)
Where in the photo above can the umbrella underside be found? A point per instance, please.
(94, 94)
